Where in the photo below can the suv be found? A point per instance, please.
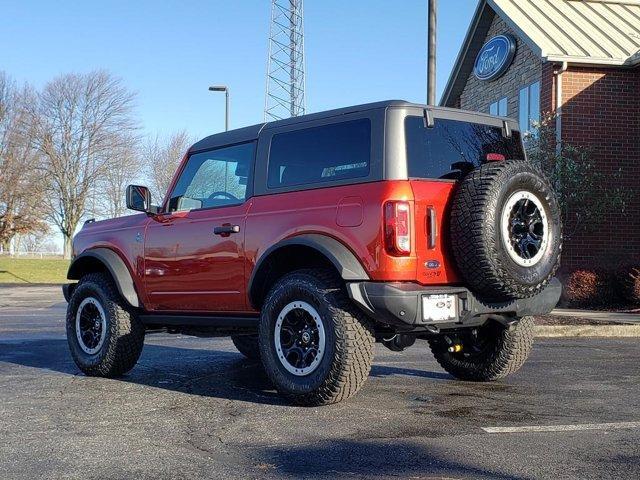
(309, 239)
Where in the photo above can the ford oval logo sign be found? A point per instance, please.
(495, 57)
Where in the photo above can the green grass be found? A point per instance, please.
(33, 270)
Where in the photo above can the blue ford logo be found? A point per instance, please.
(495, 57)
(432, 264)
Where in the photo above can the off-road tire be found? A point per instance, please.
(477, 244)
(348, 353)
(124, 337)
(248, 346)
(503, 357)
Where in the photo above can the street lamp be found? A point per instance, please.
(225, 89)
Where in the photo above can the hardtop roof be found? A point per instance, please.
(252, 132)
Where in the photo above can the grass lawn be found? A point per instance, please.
(33, 270)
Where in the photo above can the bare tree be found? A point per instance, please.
(109, 196)
(162, 157)
(81, 122)
(21, 185)
(32, 242)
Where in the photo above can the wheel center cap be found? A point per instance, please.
(306, 337)
(97, 324)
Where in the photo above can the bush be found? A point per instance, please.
(581, 288)
(595, 288)
(630, 284)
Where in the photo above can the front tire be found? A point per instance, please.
(316, 347)
(492, 353)
(248, 346)
(104, 336)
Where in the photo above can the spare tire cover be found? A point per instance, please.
(506, 230)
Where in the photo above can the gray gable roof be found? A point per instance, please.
(590, 32)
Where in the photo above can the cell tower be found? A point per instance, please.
(284, 93)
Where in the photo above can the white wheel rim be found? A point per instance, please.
(520, 255)
(90, 343)
(312, 338)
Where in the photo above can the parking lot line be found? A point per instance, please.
(562, 428)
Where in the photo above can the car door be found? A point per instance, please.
(194, 251)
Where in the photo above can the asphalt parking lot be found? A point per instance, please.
(195, 408)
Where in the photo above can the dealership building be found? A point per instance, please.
(578, 60)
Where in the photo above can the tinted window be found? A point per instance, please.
(214, 179)
(320, 154)
(451, 146)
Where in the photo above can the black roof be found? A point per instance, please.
(251, 133)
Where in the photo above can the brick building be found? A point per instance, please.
(581, 61)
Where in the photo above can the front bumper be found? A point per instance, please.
(400, 304)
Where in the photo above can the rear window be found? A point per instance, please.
(451, 146)
(320, 154)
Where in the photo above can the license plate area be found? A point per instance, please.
(439, 308)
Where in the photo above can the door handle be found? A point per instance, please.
(432, 228)
(226, 230)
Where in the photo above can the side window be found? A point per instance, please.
(214, 179)
(320, 154)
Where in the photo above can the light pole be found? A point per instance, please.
(225, 89)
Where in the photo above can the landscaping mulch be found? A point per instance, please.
(556, 320)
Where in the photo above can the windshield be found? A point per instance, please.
(451, 147)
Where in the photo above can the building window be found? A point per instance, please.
(529, 109)
(499, 108)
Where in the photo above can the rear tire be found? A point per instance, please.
(105, 337)
(503, 352)
(248, 346)
(313, 302)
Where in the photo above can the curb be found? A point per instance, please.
(25, 285)
(550, 331)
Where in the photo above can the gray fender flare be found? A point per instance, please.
(345, 262)
(114, 264)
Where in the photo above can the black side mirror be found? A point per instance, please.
(139, 199)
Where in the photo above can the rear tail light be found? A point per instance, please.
(397, 228)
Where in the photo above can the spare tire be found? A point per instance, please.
(506, 230)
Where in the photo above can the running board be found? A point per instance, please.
(216, 321)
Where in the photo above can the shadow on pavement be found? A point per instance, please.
(371, 459)
(213, 373)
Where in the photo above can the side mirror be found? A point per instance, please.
(139, 199)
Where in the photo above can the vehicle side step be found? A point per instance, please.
(200, 321)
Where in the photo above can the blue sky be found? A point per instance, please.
(169, 52)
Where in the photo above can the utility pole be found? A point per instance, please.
(285, 85)
(431, 53)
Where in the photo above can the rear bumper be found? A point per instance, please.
(400, 304)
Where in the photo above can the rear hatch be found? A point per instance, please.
(437, 157)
